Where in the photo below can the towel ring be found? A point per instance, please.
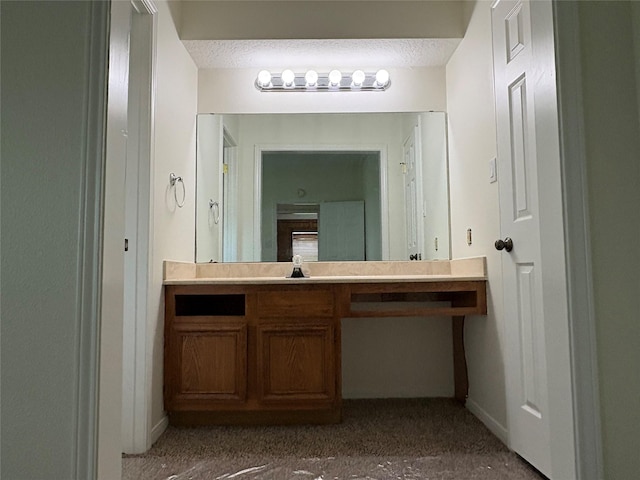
(173, 180)
(214, 209)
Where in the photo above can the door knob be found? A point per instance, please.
(506, 244)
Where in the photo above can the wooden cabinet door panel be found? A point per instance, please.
(211, 363)
(296, 363)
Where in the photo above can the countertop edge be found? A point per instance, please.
(326, 279)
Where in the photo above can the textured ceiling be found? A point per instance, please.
(372, 53)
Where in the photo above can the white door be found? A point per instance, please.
(533, 307)
(341, 231)
(412, 198)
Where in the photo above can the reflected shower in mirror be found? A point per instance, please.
(348, 186)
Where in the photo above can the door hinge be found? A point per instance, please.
(225, 168)
(126, 244)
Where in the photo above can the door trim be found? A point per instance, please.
(582, 325)
(136, 400)
(381, 150)
(90, 252)
(230, 197)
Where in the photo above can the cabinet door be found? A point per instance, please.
(208, 363)
(296, 363)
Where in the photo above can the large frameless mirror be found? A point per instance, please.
(330, 187)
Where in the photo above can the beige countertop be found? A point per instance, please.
(321, 279)
(182, 273)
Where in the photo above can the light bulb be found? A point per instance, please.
(334, 78)
(311, 77)
(358, 78)
(288, 77)
(382, 78)
(264, 78)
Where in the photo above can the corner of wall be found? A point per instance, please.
(496, 427)
(158, 429)
(475, 206)
(175, 10)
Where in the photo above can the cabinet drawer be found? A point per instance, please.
(300, 302)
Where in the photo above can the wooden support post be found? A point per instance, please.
(461, 379)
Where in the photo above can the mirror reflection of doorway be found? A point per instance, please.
(329, 200)
(297, 231)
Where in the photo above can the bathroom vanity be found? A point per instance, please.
(246, 345)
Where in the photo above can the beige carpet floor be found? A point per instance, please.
(378, 439)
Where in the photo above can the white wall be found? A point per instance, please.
(172, 228)
(474, 204)
(435, 185)
(610, 60)
(320, 19)
(52, 159)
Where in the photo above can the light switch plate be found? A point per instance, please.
(493, 170)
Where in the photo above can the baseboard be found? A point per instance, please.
(491, 423)
(159, 428)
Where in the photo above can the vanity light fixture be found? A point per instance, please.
(382, 78)
(357, 78)
(264, 79)
(288, 78)
(312, 81)
(334, 78)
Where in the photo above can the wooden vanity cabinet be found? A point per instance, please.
(296, 338)
(205, 349)
(251, 354)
